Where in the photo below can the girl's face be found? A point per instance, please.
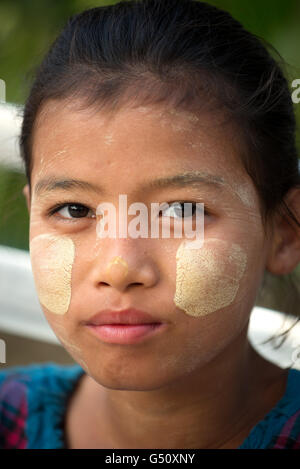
(203, 296)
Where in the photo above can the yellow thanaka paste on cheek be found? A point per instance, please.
(207, 278)
(52, 260)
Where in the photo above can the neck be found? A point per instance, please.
(202, 409)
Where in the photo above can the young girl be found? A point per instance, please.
(162, 102)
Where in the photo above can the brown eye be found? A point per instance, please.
(77, 211)
(70, 211)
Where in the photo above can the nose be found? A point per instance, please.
(123, 270)
(117, 270)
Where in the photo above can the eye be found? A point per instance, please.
(183, 209)
(72, 210)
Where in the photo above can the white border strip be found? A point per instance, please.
(10, 128)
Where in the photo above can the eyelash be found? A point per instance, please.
(62, 205)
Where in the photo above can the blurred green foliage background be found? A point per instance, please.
(27, 28)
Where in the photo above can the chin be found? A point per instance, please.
(128, 381)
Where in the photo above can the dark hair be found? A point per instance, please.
(185, 53)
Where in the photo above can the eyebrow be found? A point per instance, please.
(51, 184)
(190, 179)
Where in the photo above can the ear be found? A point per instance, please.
(284, 251)
(27, 195)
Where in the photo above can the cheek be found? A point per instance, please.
(52, 259)
(208, 278)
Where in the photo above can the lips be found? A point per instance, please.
(125, 327)
(129, 316)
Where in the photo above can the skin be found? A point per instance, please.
(195, 384)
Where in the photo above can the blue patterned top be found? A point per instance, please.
(33, 400)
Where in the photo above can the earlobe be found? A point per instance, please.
(27, 195)
(284, 250)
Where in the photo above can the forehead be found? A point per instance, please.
(154, 136)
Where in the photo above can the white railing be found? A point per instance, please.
(20, 310)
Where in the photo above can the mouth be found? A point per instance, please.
(124, 327)
(124, 333)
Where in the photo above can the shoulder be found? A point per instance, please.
(289, 408)
(280, 428)
(43, 376)
(13, 409)
(27, 393)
